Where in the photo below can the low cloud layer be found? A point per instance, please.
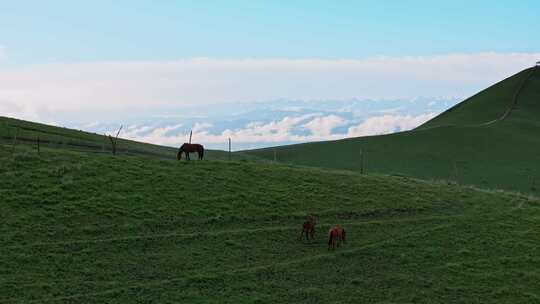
(36, 91)
(323, 126)
(386, 124)
(281, 131)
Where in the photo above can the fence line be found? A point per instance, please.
(82, 147)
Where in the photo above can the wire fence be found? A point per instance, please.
(61, 141)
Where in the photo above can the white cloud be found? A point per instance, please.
(103, 87)
(201, 127)
(388, 124)
(275, 131)
(149, 132)
(323, 126)
(280, 131)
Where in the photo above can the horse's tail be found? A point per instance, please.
(330, 236)
(202, 152)
(343, 236)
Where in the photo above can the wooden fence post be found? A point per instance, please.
(114, 140)
(456, 176)
(14, 141)
(113, 145)
(361, 161)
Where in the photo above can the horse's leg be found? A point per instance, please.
(301, 234)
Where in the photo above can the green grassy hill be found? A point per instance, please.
(490, 140)
(489, 105)
(20, 132)
(94, 228)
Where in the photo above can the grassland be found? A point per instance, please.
(458, 145)
(80, 225)
(93, 228)
(20, 132)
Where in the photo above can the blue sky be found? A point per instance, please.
(75, 31)
(261, 72)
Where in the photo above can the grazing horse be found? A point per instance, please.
(190, 148)
(309, 228)
(336, 235)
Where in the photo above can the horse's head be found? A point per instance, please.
(180, 151)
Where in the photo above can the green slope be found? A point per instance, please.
(469, 143)
(20, 132)
(93, 228)
(487, 106)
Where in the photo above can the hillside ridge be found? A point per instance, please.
(508, 110)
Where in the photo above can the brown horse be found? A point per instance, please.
(336, 235)
(190, 148)
(309, 228)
